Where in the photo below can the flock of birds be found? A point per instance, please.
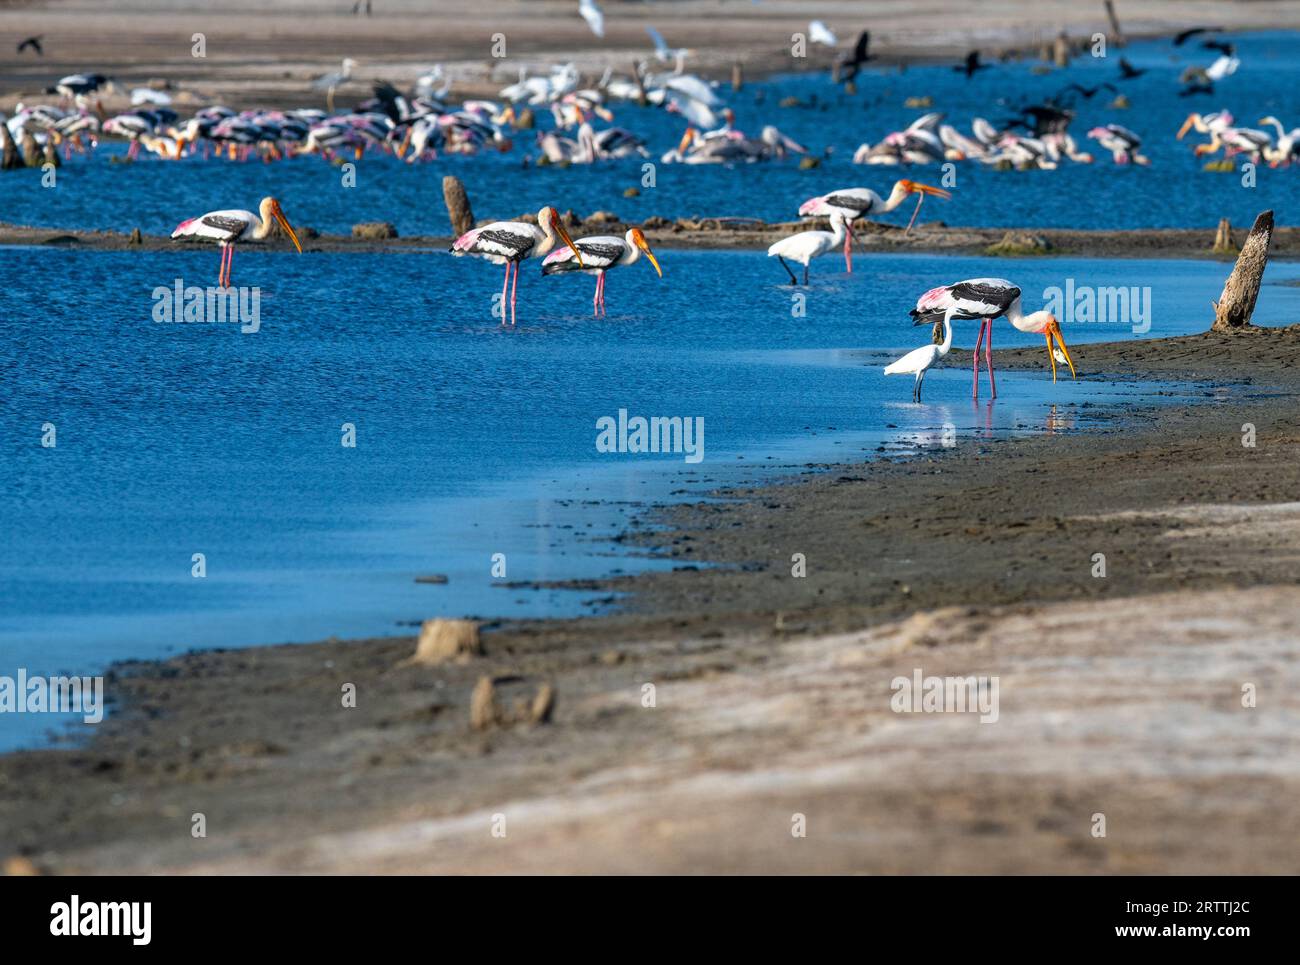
(421, 123)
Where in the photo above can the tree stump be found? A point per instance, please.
(462, 217)
(1116, 34)
(52, 153)
(32, 155)
(737, 77)
(9, 158)
(1237, 303)
(1223, 243)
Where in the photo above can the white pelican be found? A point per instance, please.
(1288, 143)
(599, 254)
(510, 242)
(1122, 143)
(986, 299)
(918, 361)
(228, 227)
(807, 245)
(860, 202)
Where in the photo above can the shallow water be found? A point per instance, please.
(472, 439)
(1173, 192)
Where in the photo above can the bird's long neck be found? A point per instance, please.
(263, 227)
(896, 197)
(631, 252)
(1034, 322)
(947, 333)
(547, 241)
(837, 232)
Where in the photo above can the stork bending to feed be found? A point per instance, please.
(859, 202)
(510, 242)
(807, 245)
(599, 254)
(230, 226)
(985, 299)
(918, 361)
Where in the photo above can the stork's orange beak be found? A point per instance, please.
(644, 246)
(284, 223)
(560, 230)
(1054, 331)
(915, 187)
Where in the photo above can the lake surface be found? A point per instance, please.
(471, 439)
(1173, 191)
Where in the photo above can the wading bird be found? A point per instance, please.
(807, 245)
(599, 254)
(860, 202)
(510, 242)
(846, 71)
(985, 299)
(228, 227)
(1122, 143)
(918, 361)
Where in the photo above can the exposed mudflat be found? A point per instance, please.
(1119, 695)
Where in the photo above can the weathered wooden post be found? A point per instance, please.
(9, 157)
(737, 77)
(1117, 35)
(453, 193)
(1223, 243)
(1237, 303)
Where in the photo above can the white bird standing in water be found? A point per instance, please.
(229, 226)
(593, 15)
(919, 361)
(807, 245)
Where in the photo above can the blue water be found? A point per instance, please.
(472, 439)
(1174, 191)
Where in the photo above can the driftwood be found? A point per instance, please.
(1116, 34)
(1233, 309)
(462, 217)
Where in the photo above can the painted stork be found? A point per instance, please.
(918, 361)
(510, 242)
(986, 299)
(230, 226)
(599, 255)
(1122, 143)
(1287, 146)
(859, 202)
(807, 245)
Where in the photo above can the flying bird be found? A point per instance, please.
(593, 15)
(663, 52)
(1127, 71)
(34, 43)
(1222, 46)
(229, 226)
(971, 65)
(1181, 38)
(847, 69)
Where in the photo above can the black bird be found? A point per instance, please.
(971, 64)
(1089, 92)
(34, 43)
(1222, 46)
(1127, 71)
(847, 69)
(1181, 38)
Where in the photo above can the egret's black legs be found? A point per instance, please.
(793, 280)
(805, 276)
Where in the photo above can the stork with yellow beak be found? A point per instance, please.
(599, 254)
(232, 225)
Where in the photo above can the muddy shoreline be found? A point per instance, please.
(773, 690)
(725, 234)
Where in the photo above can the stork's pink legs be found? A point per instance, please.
(230, 264)
(598, 303)
(988, 359)
(848, 252)
(223, 275)
(514, 293)
(505, 289)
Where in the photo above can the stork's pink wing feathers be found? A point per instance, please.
(940, 297)
(466, 241)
